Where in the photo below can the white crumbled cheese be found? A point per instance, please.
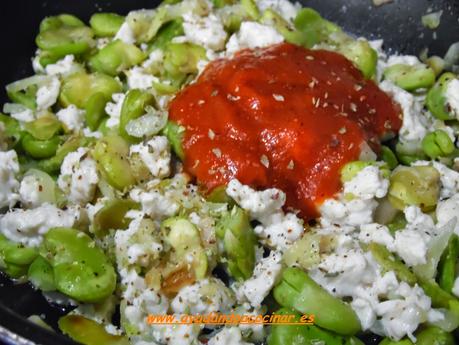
(125, 34)
(402, 315)
(280, 230)
(72, 118)
(90, 134)
(47, 94)
(447, 210)
(415, 125)
(264, 277)
(102, 42)
(31, 191)
(138, 78)
(155, 154)
(78, 178)
(253, 35)
(63, 67)
(412, 243)
(259, 204)
(204, 297)
(277, 229)
(376, 233)
(353, 212)
(25, 115)
(28, 226)
(411, 246)
(356, 205)
(114, 109)
(285, 8)
(9, 168)
(136, 245)
(154, 204)
(410, 60)
(367, 184)
(204, 31)
(228, 336)
(452, 96)
(176, 334)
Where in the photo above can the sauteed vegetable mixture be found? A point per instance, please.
(244, 157)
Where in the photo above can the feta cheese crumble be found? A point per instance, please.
(79, 177)
(155, 154)
(9, 168)
(29, 226)
(72, 118)
(205, 31)
(253, 35)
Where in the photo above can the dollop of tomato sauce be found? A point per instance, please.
(282, 116)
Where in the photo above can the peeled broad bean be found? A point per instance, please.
(134, 106)
(111, 154)
(410, 78)
(81, 270)
(239, 243)
(116, 57)
(436, 100)
(95, 110)
(175, 134)
(298, 291)
(106, 24)
(77, 88)
(40, 149)
(417, 185)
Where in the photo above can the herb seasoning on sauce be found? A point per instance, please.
(282, 116)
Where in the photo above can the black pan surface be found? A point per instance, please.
(398, 23)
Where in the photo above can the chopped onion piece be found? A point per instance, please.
(25, 83)
(146, 125)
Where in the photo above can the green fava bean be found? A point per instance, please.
(116, 57)
(41, 275)
(15, 253)
(26, 98)
(314, 28)
(43, 128)
(437, 144)
(305, 334)
(95, 110)
(218, 195)
(239, 241)
(417, 185)
(55, 22)
(183, 58)
(175, 134)
(251, 9)
(410, 78)
(66, 40)
(145, 24)
(165, 35)
(434, 335)
(81, 269)
(298, 291)
(112, 216)
(79, 87)
(436, 100)
(40, 149)
(447, 265)
(106, 24)
(88, 332)
(111, 154)
(389, 157)
(362, 55)
(134, 106)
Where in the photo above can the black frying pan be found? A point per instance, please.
(399, 23)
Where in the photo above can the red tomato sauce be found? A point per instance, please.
(284, 117)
